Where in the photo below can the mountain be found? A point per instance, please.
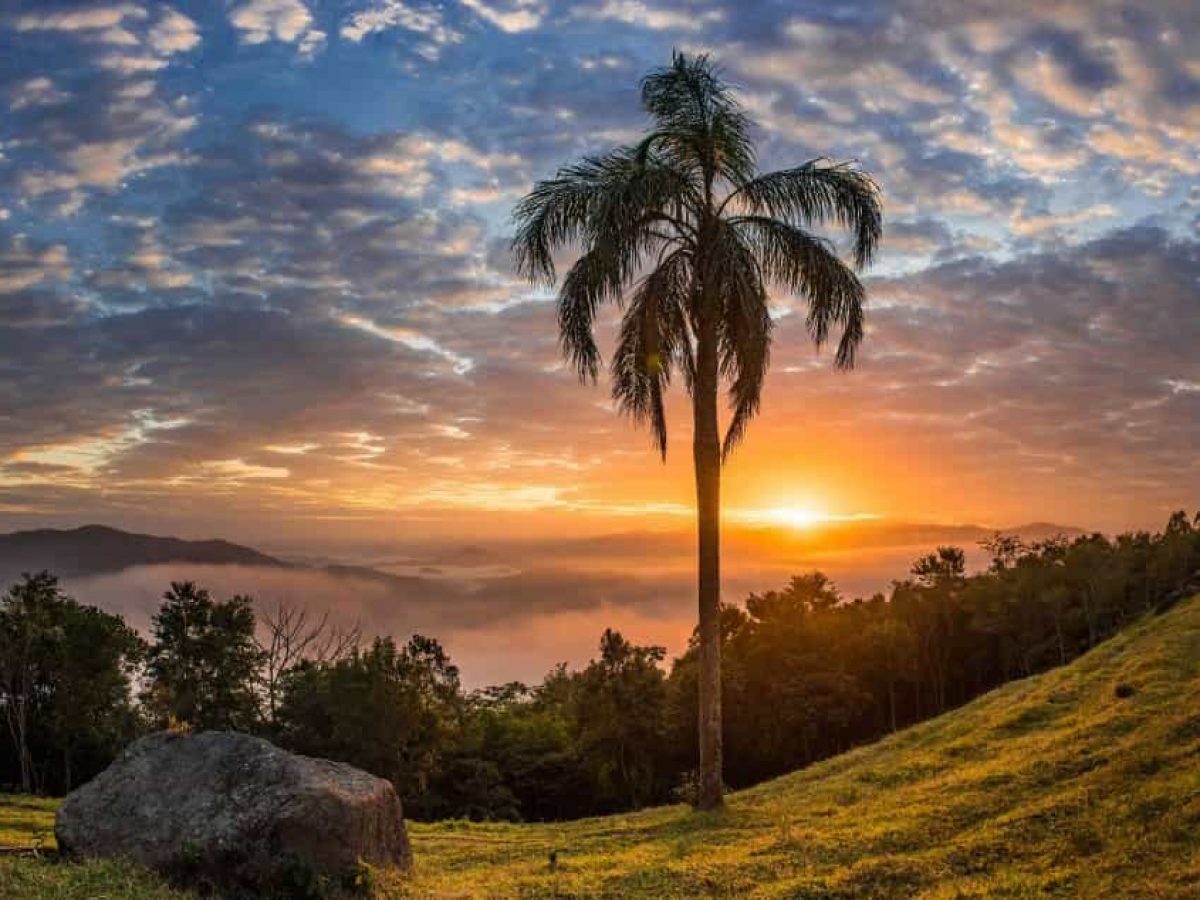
(748, 540)
(98, 550)
(882, 533)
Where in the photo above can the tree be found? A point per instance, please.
(389, 710)
(684, 218)
(203, 666)
(291, 637)
(29, 641)
(65, 672)
(940, 568)
(91, 715)
(1004, 550)
(619, 711)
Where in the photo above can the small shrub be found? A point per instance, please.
(362, 882)
(297, 879)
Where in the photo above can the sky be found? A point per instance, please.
(255, 277)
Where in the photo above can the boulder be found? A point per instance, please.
(235, 813)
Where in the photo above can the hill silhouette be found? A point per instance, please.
(99, 550)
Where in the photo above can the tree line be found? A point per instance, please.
(807, 674)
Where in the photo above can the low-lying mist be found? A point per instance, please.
(515, 614)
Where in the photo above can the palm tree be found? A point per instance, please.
(684, 221)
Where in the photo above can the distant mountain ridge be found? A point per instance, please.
(101, 550)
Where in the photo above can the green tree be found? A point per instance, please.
(943, 567)
(65, 673)
(889, 649)
(92, 717)
(619, 709)
(30, 640)
(393, 711)
(203, 666)
(685, 219)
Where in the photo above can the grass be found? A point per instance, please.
(1083, 782)
(27, 822)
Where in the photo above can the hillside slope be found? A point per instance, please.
(1083, 782)
(1052, 785)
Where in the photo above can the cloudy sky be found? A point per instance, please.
(254, 275)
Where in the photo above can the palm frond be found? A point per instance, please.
(600, 200)
(744, 329)
(653, 339)
(625, 219)
(807, 265)
(616, 206)
(700, 124)
(553, 215)
(588, 284)
(820, 191)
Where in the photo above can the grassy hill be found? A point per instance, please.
(1084, 782)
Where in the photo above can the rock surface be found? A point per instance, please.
(236, 813)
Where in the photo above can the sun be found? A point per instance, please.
(794, 516)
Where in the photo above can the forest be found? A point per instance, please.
(808, 674)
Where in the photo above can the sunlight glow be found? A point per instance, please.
(794, 516)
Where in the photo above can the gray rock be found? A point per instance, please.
(236, 813)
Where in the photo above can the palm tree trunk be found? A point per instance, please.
(707, 452)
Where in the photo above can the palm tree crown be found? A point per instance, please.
(684, 218)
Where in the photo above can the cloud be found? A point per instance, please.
(651, 15)
(1043, 75)
(517, 611)
(1026, 225)
(88, 20)
(575, 607)
(173, 33)
(509, 15)
(121, 32)
(148, 267)
(34, 92)
(289, 21)
(384, 15)
(79, 135)
(23, 265)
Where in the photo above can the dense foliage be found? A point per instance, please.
(65, 686)
(203, 666)
(808, 674)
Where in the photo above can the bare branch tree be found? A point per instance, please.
(289, 635)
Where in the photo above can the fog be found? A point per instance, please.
(545, 605)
